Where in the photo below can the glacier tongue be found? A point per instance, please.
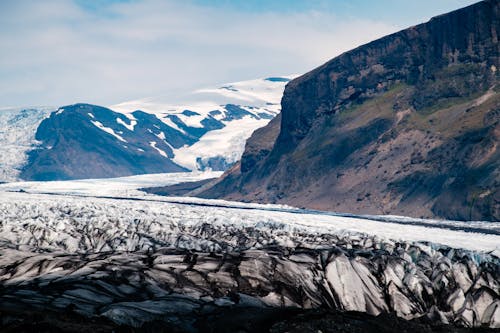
(17, 137)
(137, 262)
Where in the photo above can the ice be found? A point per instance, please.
(228, 142)
(111, 187)
(17, 137)
(175, 212)
(110, 250)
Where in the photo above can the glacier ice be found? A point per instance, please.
(135, 261)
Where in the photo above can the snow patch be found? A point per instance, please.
(161, 152)
(161, 136)
(171, 124)
(124, 124)
(107, 130)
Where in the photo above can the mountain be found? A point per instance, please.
(408, 124)
(223, 118)
(88, 141)
(206, 129)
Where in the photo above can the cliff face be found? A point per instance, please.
(408, 124)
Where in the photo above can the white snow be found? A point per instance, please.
(228, 142)
(258, 96)
(91, 115)
(170, 123)
(129, 127)
(161, 152)
(192, 120)
(107, 130)
(161, 136)
(260, 93)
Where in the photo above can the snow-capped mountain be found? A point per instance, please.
(205, 129)
(225, 116)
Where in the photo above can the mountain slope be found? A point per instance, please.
(408, 124)
(83, 141)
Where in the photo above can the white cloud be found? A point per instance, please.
(55, 52)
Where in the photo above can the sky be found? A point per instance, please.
(59, 52)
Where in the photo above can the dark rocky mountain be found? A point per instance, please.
(89, 141)
(408, 124)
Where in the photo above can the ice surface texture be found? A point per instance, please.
(135, 261)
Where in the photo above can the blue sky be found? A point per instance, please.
(394, 11)
(56, 52)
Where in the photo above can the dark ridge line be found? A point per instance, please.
(288, 210)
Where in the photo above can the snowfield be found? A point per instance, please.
(258, 99)
(110, 251)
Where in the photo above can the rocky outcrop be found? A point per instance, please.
(408, 124)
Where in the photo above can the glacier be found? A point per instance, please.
(134, 258)
(17, 137)
(240, 108)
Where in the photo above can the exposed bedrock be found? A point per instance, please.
(408, 124)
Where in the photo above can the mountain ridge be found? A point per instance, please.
(407, 124)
